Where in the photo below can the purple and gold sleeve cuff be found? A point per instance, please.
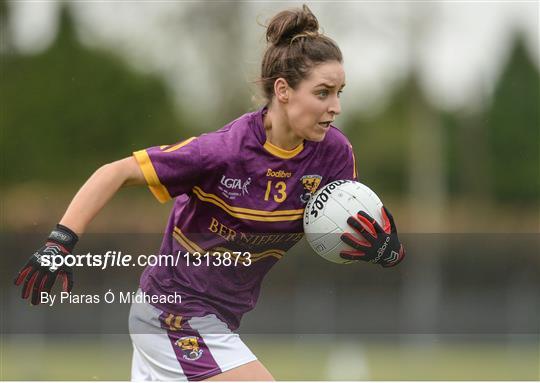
(152, 179)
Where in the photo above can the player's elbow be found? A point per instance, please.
(126, 170)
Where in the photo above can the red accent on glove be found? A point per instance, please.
(366, 224)
(22, 275)
(64, 277)
(30, 284)
(387, 225)
(43, 281)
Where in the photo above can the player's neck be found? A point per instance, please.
(278, 132)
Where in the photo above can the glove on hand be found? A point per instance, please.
(375, 244)
(39, 275)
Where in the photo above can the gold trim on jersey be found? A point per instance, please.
(177, 146)
(188, 244)
(282, 153)
(251, 214)
(151, 177)
(192, 247)
(354, 162)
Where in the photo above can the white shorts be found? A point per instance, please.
(169, 347)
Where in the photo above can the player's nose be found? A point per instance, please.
(335, 107)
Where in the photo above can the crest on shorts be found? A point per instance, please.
(190, 347)
(311, 182)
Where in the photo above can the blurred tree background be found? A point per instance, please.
(83, 101)
(71, 108)
(513, 130)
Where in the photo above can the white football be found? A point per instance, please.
(326, 213)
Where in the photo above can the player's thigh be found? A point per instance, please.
(249, 371)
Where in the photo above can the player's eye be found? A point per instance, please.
(322, 93)
(339, 93)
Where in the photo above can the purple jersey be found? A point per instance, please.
(234, 192)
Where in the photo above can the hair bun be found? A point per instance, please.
(288, 24)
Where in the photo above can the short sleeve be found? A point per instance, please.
(171, 170)
(346, 169)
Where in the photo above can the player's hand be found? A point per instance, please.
(375, 244)
(39, 275)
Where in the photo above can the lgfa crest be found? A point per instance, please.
(311, 183)
(190, 347)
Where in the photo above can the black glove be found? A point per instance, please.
(38, 278)
(375, 244)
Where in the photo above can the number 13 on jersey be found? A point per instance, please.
(278, 191)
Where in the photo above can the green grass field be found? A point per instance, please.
(302, 357)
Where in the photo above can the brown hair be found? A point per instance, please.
(295, 46)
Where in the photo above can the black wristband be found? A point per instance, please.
(64, 236)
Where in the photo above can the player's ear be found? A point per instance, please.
(281, 90)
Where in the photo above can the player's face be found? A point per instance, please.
(315, 103)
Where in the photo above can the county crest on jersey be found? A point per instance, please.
(234, 192)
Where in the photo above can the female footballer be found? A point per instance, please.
(239, 190)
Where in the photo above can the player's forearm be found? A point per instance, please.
(98, 190)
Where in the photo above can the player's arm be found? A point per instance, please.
(40, 273)
(98, 190)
